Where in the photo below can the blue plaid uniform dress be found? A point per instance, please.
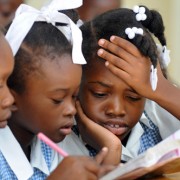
(150, 137)
(7, 174)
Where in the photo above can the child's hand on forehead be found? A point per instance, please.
(98, 137)
(125, 61)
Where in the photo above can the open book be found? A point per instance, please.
(162, 159)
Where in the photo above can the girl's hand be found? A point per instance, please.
(81, 167)
(126, 62)
(99, 137)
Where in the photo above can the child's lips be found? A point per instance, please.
(5, 117)
(116, 128)
(65, 130)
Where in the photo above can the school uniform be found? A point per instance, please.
(15, 165)
(73, 145)
(163, 121)
(155, 125)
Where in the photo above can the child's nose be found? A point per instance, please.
(70, 110)
(116, 108)
(8, 100)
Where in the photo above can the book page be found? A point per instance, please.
(154, 158)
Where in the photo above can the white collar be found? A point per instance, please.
(145, 120)
(14, 155)
(133, 143)
(132, 146)
(37, 157)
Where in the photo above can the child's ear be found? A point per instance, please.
(14, 107)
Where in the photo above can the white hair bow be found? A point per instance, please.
(163, 55)
(26, 16)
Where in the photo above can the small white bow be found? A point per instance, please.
(131, 32)
(140, 13)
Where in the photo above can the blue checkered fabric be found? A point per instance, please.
(92, 152)
(150, 137)
(6, 172)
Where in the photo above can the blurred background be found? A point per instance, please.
(169, 9)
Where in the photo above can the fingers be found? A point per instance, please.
(80, 112)
(105, 169)
(117, 70)
(126, 45)
(113, 59)
(119, 51)
(101, 155)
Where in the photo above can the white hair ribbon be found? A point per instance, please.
(26, 16)
(163, 55)
(153, 78)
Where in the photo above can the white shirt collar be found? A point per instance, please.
(133, 143)
(14, 155)
(145, 120)
(37, 157)
(16, 158)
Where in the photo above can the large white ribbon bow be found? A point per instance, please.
(26, 16)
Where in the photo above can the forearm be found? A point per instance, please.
(168, 96)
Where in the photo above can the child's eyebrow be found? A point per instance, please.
(56, 90)
(101, 83)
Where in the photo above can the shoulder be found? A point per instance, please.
(162, 118)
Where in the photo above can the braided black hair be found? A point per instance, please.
(44, 41)
(115, 22)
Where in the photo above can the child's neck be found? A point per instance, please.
(22, 136)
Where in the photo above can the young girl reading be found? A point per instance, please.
(45, 83)
(6, 67)
(108, 99)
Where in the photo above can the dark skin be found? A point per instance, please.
(92, 8)
(48, 103)
(109, 101)
(136, 73)
(6, 67)
(7, 10)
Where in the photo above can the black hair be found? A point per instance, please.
(43, 41)
(115, 22)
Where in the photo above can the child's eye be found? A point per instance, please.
(56, 101)
(99, 95)
(131, 98)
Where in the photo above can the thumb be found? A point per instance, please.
(101, 155)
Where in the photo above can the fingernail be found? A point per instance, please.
(104, 149)
(112, 38)
(106, 63)
(101, 42)
(100, 52)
